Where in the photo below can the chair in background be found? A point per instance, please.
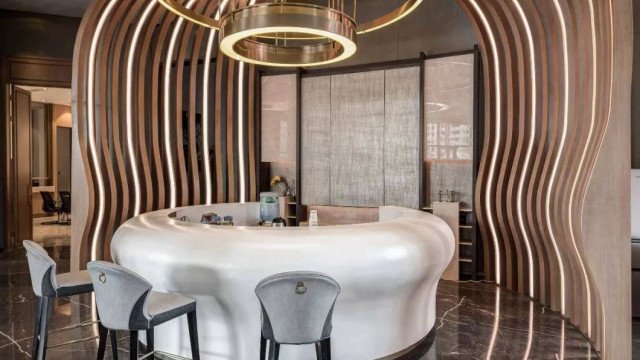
(65, 207)
(47, 286)
(297, 309)
(126, 302)
(50, 207)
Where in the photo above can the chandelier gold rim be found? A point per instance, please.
(387, 19)
(241, 29)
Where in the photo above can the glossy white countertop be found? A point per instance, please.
(388, 271)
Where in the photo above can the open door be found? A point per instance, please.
(20, 123)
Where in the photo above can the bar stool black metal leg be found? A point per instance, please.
(319, 355)
(103, 332)
(326, 349)
(192, 321)
(114, 344)
(150, 339)
(36, 330)
(274, 350)
(45, 319)
(263, 347)
(133, 345)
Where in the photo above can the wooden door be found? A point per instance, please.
(21, 196)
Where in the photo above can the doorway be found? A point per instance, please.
(42, 164)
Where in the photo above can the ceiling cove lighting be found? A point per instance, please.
(289, 34)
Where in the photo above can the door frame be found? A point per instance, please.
(45, 72)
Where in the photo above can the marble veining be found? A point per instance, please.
(471, 323)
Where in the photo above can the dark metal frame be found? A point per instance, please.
(387, 65)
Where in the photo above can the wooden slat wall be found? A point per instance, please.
(120, 117)
(552, 201)
(557, 76)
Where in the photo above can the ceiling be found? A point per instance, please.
(46, 95)
(74, 8)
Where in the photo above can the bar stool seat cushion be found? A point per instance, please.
(74, 283)
(163, 307)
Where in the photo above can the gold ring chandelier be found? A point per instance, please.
(282, 33)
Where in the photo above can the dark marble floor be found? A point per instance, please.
(475, 321)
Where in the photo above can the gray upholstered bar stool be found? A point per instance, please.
(47, 285)
(297, 309)
(126, 301)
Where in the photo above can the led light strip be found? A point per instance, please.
(496, 146)
(582, 160)
(90, 127)
(565, 117)
(241, 130)
(167, 108)
(527, 351)
(205, 107)
(532, 137)
(129, 120)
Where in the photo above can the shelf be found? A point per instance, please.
(466, 243)
(292, 217)
(466, 260)
(466, 226)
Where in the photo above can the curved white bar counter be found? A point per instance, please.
(388, 271)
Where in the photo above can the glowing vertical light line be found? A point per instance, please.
(241, 161)
(556, 163)
(496, 146)
(205, 116)
(90, 126)
(129, 104)
(167, 107)
(205, 107)
(532, 137)
(582, 161)
(241, 130)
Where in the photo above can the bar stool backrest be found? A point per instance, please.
(297, 307)
(121, 296)
(42, 269)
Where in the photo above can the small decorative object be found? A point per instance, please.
(313, 218)
(279, 186)
(278, 222)
(228, 220)
(269, 207)
(185, 219)
(208, 218)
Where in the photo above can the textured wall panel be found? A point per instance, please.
(316, 140)
(357, 139)
(402, 158)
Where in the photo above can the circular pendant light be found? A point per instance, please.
(281, 33)
(264, 34)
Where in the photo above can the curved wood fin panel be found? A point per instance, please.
(139, 99)
(556, 72)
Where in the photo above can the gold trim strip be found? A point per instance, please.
(394, 16)
(190, 15)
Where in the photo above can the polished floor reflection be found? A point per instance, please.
(475, 321)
